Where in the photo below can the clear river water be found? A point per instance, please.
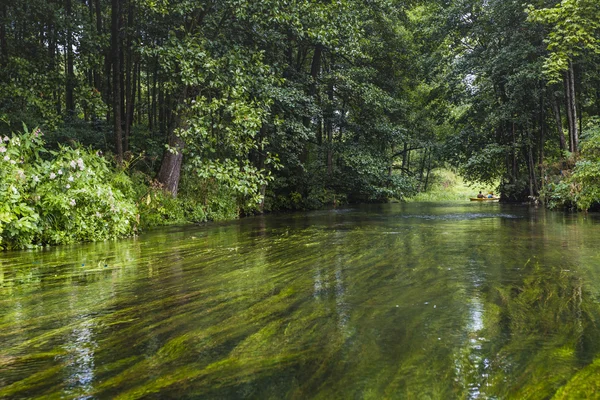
(407, 301)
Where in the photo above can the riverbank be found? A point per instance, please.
(446, 185)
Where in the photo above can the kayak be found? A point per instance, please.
(485, 199)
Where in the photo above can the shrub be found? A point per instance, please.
(580, 186)
(59, 197)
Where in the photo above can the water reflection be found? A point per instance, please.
(79, 362)
(392, 301)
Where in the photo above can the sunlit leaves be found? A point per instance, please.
(574, 29)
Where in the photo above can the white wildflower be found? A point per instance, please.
(52, 175)
(68, 186)
(36, 179)
(6, 139)
(80, 164)
(70, 178)
(98, 215)
(14, 189)
(60, 171)
(6, 158)
(2, 149)
(72, 202)
(13, 162)
(73, 164)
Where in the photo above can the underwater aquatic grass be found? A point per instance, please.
(343, 303)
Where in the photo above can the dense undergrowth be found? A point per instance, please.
(71, 193)
(575, 181)
(76, 194)
(60, 196)
(52, 194)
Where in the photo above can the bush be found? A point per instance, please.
(579, 186)
(58, 197)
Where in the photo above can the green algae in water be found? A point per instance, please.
(395, 301)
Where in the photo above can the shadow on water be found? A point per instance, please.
(430, 300)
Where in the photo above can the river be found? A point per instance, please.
(411, 301)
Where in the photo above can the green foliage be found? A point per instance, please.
(574, 28)
(200, 199)
(57, 197)
(579, 186)
(447, 185)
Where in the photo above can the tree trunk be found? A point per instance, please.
(542, 131)
(154, 107)
(131, 106)
(116, 81)
(574, 107)
(129, 80)
(139, 92)
(558, 119)
(98, 83)
(391, 166)
(260, 164)
(170, 167)
(569, 82)
(3, 41)
(70, 78)
(315, 69)
(515, 171)
(533, 187)
(428, 171)
(405, 157)
(162, 107)
(329, 130)
(422, 168)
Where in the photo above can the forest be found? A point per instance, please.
(120, 115)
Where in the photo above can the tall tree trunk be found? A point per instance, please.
(315, 69)
(97, 74)
(542, 131)
(559, 127)
(116, 81)
(515, 166)
(405, 158)
(131, 106)
(422, 168)
(70, 78)
(533, 186)
(428, 171)
(574, 106)
(170, 167)
(122, 64)
(569, 82)
(149, 98)
(3, 39)
(139, 91)
(260, 164)
(391, 166)
(154, 124)
(162, 107)
(329, 129)
(56, 94)
(129, 80)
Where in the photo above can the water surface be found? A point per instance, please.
(412, 301)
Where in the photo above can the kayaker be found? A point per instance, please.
(490, 195)
(480, 195)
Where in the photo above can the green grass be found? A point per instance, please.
(445, 185)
